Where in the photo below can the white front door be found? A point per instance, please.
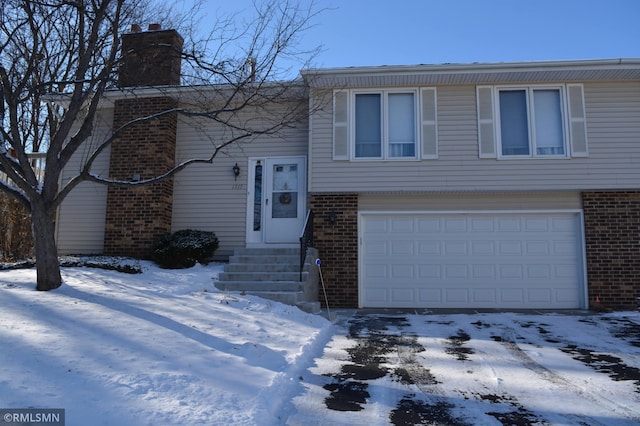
(277, 200)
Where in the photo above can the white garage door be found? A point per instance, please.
(478, 260)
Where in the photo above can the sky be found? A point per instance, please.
(410, 32)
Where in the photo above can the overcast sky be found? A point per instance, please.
(408, 32)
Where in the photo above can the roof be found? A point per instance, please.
(475, 73)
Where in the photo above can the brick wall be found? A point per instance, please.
(612, 235)
(337, 244)
(136, 216)
(151, 58)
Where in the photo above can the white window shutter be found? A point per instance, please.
(429, 122)
(577, 121)
(341, 125)
(486, 122)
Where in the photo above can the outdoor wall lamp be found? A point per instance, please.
(236, 171)
(332, 217)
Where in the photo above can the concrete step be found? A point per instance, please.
(272, 274)
(260, 276)
(266, 258)
(249, 286)
(262, 267)
(262, 251)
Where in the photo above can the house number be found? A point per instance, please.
(236, 186)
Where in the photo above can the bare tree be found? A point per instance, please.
(59, 58)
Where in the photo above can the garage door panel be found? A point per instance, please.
(482, 225)
(375, 248)
(494, 260)
(402, 272)
(540, 296)
(455, 248)
(429, 271)
(537, 248)
(402, 247)
(512, 297)
(457, 296)
(402, 296)
(402, 225)
(510, 248)
(483, 272)
(484, 296)
(429, 248)
(431, 225)
(426, 296)
(483, 248)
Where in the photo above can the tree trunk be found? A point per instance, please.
(47, 265)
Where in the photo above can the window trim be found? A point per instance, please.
(530, 89)
(384, 93)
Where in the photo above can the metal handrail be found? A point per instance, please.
(306, 239)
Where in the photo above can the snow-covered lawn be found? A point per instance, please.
(165, 348)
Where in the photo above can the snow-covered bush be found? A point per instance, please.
(184, 248)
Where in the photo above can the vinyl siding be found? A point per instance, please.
(81, 216)
(613, 131)
(206, 196)
(471, 202)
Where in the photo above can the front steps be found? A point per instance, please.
(272, 274)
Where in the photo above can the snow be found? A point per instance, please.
(164, 347)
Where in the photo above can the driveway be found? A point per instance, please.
(406, 368)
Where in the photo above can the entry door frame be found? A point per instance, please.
(259, 203)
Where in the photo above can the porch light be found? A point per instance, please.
(236, 171)
(332, 218)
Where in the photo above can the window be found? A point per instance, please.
(385, 125)
(531, 122)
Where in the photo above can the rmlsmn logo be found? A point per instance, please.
(31, 416)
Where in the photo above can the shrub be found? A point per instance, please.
(184, 248)
(16, 238)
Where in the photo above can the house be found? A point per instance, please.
(508, 185)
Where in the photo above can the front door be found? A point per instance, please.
(277, 200)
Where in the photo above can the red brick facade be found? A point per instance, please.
(336, 238)
(612, 235)
(136, 216)
(151, 58)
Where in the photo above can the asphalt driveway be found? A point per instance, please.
(408, 368)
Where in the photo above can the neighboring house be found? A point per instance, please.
(512, 185)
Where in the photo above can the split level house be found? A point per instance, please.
(484, 185)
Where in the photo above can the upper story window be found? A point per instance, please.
(531, 121)
(384, 124)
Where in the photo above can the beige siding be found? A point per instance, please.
(81, 216)
(471, 202)
(613, 125)
(207, 197)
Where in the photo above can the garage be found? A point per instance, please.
(503, 260)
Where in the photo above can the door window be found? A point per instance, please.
(284, 203)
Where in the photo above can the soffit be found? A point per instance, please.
(450, 74)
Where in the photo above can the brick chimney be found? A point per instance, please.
(136, 216)
(150, 58)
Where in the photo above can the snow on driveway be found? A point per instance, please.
(480, 369)
(164, 347)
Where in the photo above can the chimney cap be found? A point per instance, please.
(155, 27)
